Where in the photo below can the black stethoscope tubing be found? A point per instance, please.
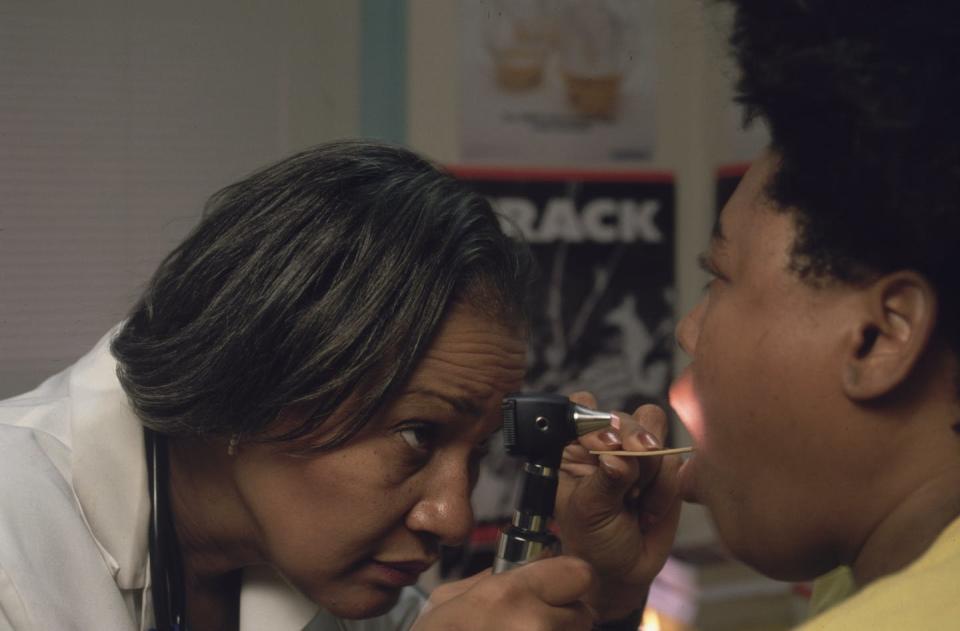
(166, 568)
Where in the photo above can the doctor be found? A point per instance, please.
(287, 426)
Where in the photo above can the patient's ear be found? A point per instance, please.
(893, 323)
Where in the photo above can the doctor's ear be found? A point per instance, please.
(893, 323)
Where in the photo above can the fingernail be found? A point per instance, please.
(609, 438)
(650, 441)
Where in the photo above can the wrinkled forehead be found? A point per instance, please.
(472, 356)
(472, 363)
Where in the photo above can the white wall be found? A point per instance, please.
(118, 119)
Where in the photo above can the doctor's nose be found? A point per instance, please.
(445, 512)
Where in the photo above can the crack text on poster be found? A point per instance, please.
(601, 220)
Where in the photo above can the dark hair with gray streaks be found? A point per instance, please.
(320, 278)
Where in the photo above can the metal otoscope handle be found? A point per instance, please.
(537, 427)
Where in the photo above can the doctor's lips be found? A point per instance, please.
(402, 572)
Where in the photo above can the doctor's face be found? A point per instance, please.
(352, 526)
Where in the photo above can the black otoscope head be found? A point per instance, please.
(537, 426)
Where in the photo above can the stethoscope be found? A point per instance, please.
(166, 567)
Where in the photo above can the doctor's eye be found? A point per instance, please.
(419, 436)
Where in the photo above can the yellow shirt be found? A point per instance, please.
(924, 595)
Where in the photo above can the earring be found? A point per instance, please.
(232, 447)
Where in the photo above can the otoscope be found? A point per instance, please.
(537, 427)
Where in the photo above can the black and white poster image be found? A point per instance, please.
(603, 305)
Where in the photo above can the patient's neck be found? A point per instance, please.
(908, 529)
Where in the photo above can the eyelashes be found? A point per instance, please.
(708, 266)
(419, 436)
(422, 438)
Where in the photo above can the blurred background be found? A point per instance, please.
(603, 128)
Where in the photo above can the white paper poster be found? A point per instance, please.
(557, 81)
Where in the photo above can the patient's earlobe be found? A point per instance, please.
(891, 327)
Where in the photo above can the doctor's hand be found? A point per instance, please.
(545, 595)
(619, 514)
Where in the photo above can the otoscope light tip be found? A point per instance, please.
(587, 420)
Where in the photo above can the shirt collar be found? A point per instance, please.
(110, 480)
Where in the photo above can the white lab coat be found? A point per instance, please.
(73, 518)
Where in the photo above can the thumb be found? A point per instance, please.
(448, 591)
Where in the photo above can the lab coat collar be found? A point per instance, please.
(110, 480)
(108, 463)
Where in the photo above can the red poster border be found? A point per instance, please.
(738, 169)
(526, 174)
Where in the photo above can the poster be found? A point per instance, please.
(557, 81)
(603, 305)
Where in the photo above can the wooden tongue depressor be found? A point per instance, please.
(655, 452)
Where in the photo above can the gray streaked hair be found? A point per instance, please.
(322, 277)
